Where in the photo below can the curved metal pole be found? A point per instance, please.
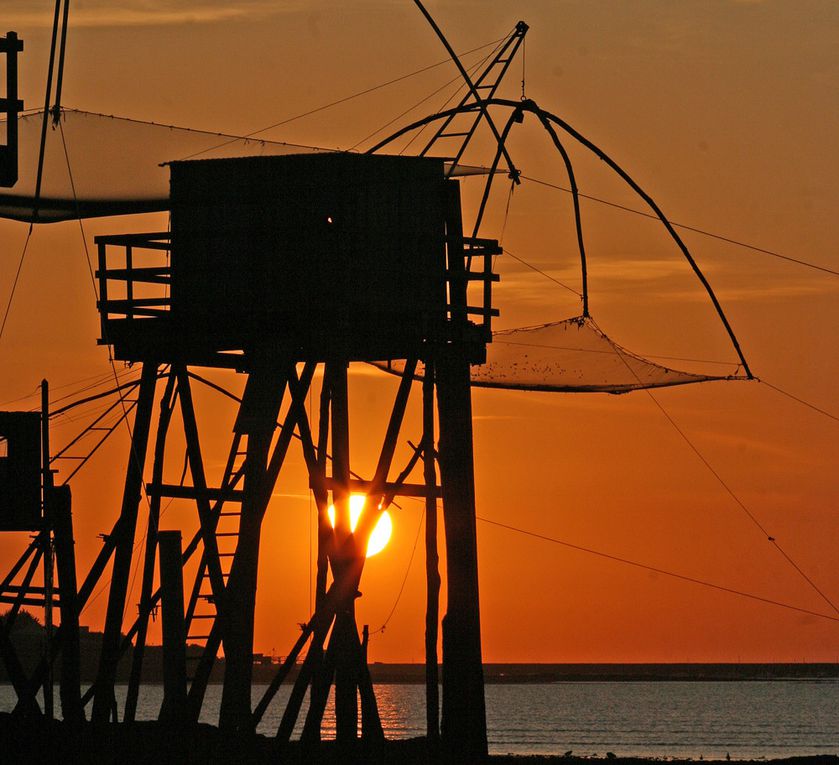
(479, 102)
(516, 116)
(533, 108)
(575, 195)
(657, 210)
(422, 123)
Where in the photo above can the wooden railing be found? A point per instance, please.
(134, 277)
(479, 254)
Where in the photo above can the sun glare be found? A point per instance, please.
(381, 534)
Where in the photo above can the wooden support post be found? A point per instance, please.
(432, 570)
(135, 676)
(372, 733)
(65, 559)
(463, 724)
(49, 701)
(323, 673)
(257, 418)
(325, 530)
(25, 690)
(345, 634)
(346, 680)
(464, 735)
(173, 709)
(104, 699)
(319, 627)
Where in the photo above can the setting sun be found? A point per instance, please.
(381, 534)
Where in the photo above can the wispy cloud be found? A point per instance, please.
(108, 13)
(758, 293)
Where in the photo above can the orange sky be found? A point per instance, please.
(725, 111)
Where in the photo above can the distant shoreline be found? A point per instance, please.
(647, 672)
(264, 670)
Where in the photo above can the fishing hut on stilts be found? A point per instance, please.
(278, 267)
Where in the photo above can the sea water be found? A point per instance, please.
(744, 719)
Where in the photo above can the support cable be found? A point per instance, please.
(339, 101)
(133, 453)
(685, 226)
(419, 103)
(404, 578)
(492, 54)
(543, 273)
(655, 569)
(16, 279)
(741, 504)
(96, 295)
(799, 400)
(41, 154)
(36, 391)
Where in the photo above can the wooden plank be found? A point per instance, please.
(174, 631)
(114, 305)
(192, 492)
(395, 489)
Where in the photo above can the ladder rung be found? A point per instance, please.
(231, 512)
(191, 492)
(227, 533)
(452, 135)
(197, 637)
(226, 555)
(203, 616)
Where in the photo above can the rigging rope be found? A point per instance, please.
(741, 504)
(14, 283)
(655, 569)
(685, 226)
(431, 95)
(472, 71)
(133, 453)
(338, 102)
(734, 496)
(41, 150)
(404, 578)
(546, 275)
(414, 106)
(800, 400)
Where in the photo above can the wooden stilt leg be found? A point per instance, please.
(104, 700)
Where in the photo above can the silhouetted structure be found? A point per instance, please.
(276, 262)
(11, 106)
(30, 502)
(20, 471)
